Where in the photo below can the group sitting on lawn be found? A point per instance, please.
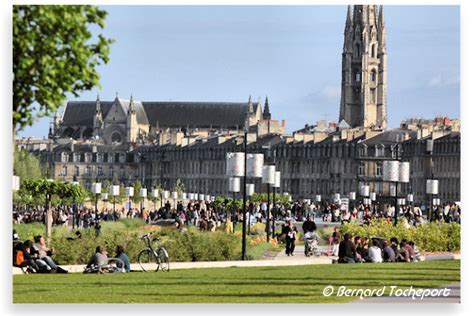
(359, 249)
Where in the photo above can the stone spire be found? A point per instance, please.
(97, 105)
(131, 108)
(266, 110)
(363, 84)
(250, 105)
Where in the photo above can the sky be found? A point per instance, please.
(292, 54)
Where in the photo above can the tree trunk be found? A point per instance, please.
(49, 220)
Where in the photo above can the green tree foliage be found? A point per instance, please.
(179, 187)
(54, 53)
(62, 192)
(26, 166)
(136, 198)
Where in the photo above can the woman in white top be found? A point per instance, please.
(375, 253)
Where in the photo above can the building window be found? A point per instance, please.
(100, 158)
(64, 171)
(100, 171)
(64, 157)
(88, 171)
(111, 171)
(122, 172)
(373, 75)
(357, 76)
(76, 170)
(373, 50)
(76, 158)
(88, 158)
(361, 168)
(110, 157)
(379, 151)
(122, 158)
(378, 169)
(357, 50)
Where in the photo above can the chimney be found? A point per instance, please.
(283, 124)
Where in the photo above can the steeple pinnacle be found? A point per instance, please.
(131, 108)
(250, 105)
(349, 17)
(266, 110)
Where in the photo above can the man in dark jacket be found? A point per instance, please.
(347, 251)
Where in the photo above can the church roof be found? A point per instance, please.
(81, 113)
(165, 114)
(196, 114)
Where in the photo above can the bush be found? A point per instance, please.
(28, 231)
(428, 237)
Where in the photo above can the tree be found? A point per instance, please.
(136, 198)
(54, 53)
(179, 187)
(26, 166)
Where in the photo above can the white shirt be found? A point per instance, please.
(375, 254)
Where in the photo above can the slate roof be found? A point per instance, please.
(81, 113)
(166, 114)
(196, 114)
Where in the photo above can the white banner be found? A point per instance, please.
(268, 174)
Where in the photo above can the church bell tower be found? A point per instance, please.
(364, 66)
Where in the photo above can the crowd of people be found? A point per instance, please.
(358, 249)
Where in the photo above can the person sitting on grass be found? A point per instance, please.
(45, 254)
(388, 254)
(123, 256)
(403, 255)
(99, 258)
(416, 257)
(409, 249)
(375, 254)
(347, 251)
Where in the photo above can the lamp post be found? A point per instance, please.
(250, 191)
(154, 195)
(352, 198)
(432, 189)
(74, 206)
(234, 187)
(104, 198)
(246, 165)
(97, 189)
(396, 172)
(114, 191)
(130, 192)
(174, 196)
(143, 194)
(276, 184)
(268, 177)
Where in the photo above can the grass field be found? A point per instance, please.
(298, 284)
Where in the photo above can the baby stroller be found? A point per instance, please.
(311, 247)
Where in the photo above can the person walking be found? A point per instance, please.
(290, 231)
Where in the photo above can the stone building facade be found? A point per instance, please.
(158, 143)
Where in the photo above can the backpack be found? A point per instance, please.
(19, 257)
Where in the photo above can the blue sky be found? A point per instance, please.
(290, 53)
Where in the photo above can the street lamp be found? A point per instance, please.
(352, 198)
(143, 194)
(174, 196)
(274, 185)
(432, 186)
(97, 190)
(250, 188)
(234, 187)
(396, 172)
(115, 191)
(104, 198)
(154, 195)
(74, 206)
(268, 177)
(130, 192)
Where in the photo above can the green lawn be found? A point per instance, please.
(298, 284)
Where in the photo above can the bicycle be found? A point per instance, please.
(148, 256)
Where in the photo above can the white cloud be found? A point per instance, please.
(330, 92)
(443, 80)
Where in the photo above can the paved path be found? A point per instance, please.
(454, 297)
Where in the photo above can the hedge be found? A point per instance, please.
(435, 236)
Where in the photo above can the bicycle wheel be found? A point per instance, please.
(163, 260)
(147, 260)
